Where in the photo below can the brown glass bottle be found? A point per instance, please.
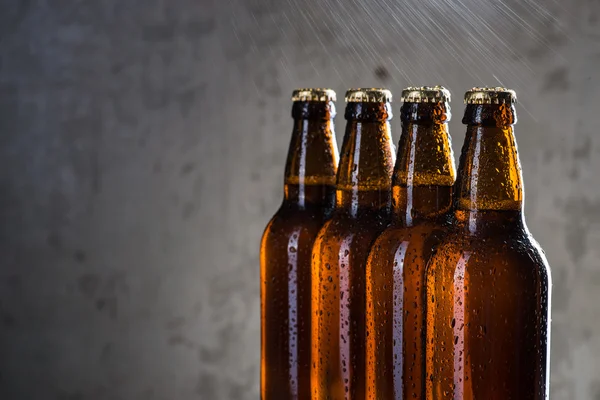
(340, 252)
(488, 285)
(421, 197)
(285, 255)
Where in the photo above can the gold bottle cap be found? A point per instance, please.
(368, 95)
(313, 94)
(490, 95)
(426, 94)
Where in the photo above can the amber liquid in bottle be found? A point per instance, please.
(488, 285)
(422, 196)
(285, 256)
(339, 256)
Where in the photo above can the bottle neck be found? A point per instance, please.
(490, 182)
(305, 197)
(490, 222)
(424, 172)
(357, 203)
(312, 159)
(367, 159)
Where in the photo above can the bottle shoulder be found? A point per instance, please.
(423, 229)
(517, 252)
(427, 233)
(287, 222)
(516, 241)
(341, 226)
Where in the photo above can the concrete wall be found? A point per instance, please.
(142, 153)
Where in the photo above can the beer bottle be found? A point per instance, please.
(421, 201)
(285, 254)
(340, 252)
(488, 285)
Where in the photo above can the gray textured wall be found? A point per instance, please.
(142, 152)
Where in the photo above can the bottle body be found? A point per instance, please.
(339, 256)
(362, 209)
(286, 248)
(488, 303)
(488, 285)
(422, 197)
(396, 310)
(285, 258)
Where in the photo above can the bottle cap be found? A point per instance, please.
(313, 94)
(489, 95)
(368, 95)
(426, 94)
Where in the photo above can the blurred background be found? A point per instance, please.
(142, 147)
